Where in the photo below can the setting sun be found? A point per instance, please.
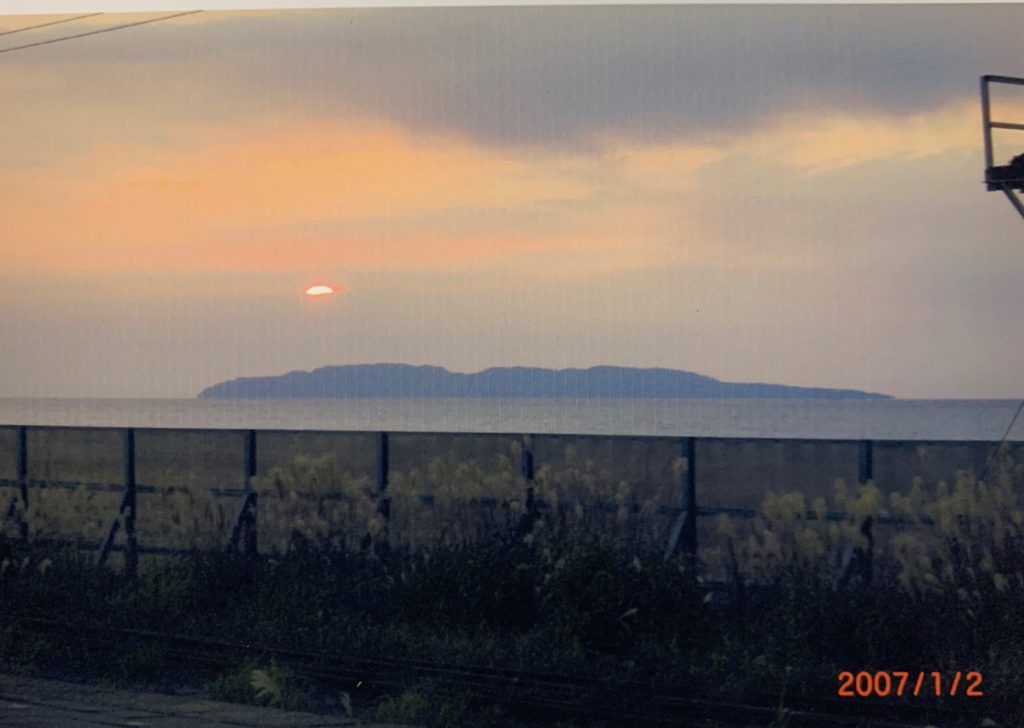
(322, 290)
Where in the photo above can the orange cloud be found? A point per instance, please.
(335, 197)
(316, 171)
(828, 141)
(216, 204)
(228, 206)
(666, 167)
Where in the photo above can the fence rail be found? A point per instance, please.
(243, 531)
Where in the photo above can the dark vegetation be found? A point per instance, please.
(339, 618)
(629, 623)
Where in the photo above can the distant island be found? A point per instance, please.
(372, 381)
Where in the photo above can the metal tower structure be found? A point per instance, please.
(1007, 178)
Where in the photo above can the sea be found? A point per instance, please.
(884, 419)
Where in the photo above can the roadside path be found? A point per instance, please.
(36, 703)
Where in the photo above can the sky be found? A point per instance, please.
(785, 194)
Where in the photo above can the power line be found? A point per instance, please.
(97, 32)
(46, 25)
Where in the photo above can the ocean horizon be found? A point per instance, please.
(892, 419)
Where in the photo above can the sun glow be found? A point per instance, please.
(320, 290)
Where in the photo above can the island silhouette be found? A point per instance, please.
(371, 381)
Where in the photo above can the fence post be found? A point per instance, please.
(131, 554)
(526, 470)
(21, 483)
(249, 544)
(684, 532)
(383, 499)
(22, 475)
(866, 465)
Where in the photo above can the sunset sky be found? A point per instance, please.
(764, 193)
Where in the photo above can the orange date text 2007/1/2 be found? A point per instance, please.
(897, 683)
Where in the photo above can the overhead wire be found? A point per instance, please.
(47, 25)
(1006, 436)
(97, 32)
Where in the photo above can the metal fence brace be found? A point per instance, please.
(857, 561)
(684, 531)
(125, 510)
(243, 527)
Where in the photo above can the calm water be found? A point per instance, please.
(852, 419)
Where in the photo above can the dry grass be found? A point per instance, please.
(971, 545)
